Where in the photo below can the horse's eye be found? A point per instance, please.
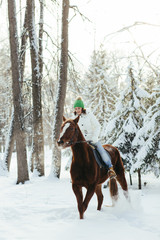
(71, 129)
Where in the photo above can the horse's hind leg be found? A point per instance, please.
(79, 196)
(113, 190)
(99, 196)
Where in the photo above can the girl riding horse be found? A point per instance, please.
(85, 172)
(90, 128)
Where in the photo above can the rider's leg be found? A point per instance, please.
(104, 154)
(106, 158)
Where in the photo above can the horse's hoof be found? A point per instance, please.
(108, 205)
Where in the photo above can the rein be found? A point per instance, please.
(71, 142)
(84, 141)
(88, 142)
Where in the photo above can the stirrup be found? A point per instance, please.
(113, 174)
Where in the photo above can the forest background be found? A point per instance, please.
(59, 57)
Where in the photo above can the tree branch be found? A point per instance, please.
(131, 26)
(76, 10)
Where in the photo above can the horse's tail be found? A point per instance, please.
(119, 163)
(113, 187)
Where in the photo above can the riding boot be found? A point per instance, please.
(111, 173)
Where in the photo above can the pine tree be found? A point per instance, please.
(101, 95)
(148, 138)
(127, 118)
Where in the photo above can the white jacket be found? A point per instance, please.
(89, 126)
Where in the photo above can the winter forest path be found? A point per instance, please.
(46, 208)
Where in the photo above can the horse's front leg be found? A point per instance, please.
(79, 196)
(99, 196)
(89, 195)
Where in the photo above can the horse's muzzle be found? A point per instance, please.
(60, 142)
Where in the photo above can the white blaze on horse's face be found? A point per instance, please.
(68, 134)
(66, 126)
(62, 139)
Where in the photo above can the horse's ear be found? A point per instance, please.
(64, 119)
(76, 120)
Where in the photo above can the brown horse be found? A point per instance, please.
(85, 171)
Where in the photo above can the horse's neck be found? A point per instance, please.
(80, 149)
(80, 137)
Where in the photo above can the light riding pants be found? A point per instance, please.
(104, 154)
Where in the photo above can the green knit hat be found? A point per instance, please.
(79, 103)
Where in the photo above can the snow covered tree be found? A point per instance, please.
(148, 138)
(127, 118)
(17, 98)
(101, 91)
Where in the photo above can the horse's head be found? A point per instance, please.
(69, 133)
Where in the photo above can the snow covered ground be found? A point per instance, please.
(46, 208)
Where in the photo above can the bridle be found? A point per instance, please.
(71, 142)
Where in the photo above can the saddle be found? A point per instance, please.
(97, 156)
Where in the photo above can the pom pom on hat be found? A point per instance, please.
(79, 103)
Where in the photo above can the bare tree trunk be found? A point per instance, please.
(130, 178)
(17, 101)
(9, 144)
(139, 179)
(61, 94)
(38, 139)
(11, 138)
(23, 45)
(41, 39)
